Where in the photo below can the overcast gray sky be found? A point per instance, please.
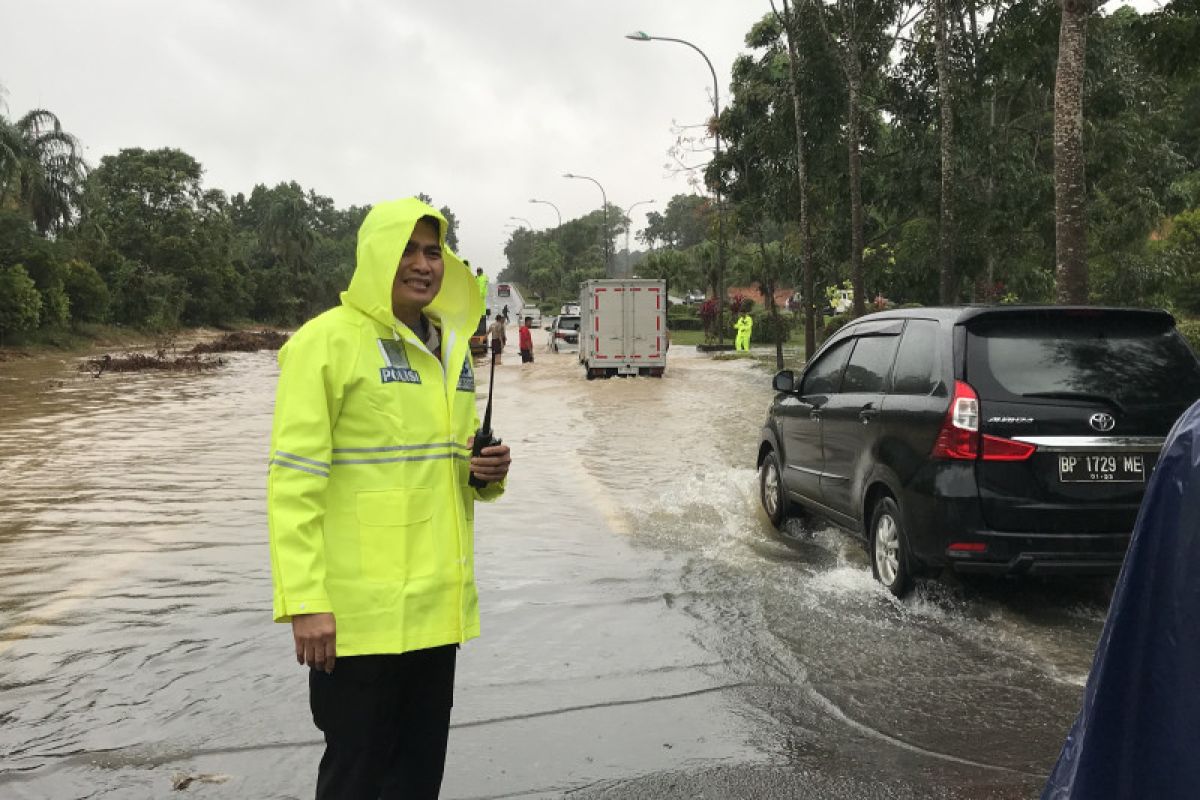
(482, 105)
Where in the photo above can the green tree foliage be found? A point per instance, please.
(552, 263)
(1180, 251)
(141, 241)
(163, 231)
(41, 170)
(20, 302)
(1141, 110)
(684, 223)
(679, 270)
(42, 260)
(87, 292)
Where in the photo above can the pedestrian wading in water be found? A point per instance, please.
(498, 333)
(526, 340)
(369, 507)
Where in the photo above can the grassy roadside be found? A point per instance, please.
(697, 337)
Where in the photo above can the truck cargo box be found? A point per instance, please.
(623, 327)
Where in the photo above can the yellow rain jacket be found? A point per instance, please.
(482, 282)
(744, 325)
(369, 510)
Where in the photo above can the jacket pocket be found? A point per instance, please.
(396, 534)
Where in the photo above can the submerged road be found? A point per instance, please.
(646, 633)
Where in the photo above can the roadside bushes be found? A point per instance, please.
(833, 324)
(20, 301)
(684, 318)
(86, 291)
(768, 329)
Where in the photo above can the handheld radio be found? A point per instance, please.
(483, 436)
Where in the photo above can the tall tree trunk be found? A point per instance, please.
(1070, 194)
(853, 117)
(948, 285)
(808, 281)
(768, 282)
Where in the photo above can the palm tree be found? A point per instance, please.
(41, 169)
(287, 234)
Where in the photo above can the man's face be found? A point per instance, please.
(419, 276)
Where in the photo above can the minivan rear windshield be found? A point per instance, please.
(1128, 362)
(569, 323)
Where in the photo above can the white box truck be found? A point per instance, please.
(623, 327)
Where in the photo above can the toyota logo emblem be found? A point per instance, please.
(1102, 422)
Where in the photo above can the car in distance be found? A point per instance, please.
(534, 313)
(564, 334)
(1009, 439)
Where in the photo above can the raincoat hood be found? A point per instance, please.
(1137, 733)
(381, 242)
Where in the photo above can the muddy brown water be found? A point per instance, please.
(640, 617)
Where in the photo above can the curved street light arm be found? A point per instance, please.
(604, 197)
(556, 211)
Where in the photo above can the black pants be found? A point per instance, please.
(386, 719)
(526, 356)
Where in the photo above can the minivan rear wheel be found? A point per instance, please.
(771, 492)
(889, 548)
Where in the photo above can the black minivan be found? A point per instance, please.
(1003, 439)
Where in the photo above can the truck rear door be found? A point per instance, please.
(644, 314)
(608, 324)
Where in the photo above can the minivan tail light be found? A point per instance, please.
(959, 436)
(996, 448)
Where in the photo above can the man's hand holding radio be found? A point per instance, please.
(491, 465)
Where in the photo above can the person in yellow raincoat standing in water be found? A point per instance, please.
(481, 281)
(370, 508)
(743, 326)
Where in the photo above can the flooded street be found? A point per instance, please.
(646, 633)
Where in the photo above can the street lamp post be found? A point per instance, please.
(528, 224)
(556, 211)
(604, 197)
(629, 223)
(642, 36)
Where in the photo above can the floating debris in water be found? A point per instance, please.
(136, 362)
(192, 360)
(182, 780)
(243, 342)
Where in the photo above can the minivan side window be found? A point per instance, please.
(825, 376)
(869, 365)
(918, 359)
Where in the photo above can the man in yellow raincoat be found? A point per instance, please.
(370, 511)
(481, 281)
(743, 326)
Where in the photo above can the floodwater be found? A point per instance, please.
(645, 632)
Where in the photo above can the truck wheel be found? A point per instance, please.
(890, 562)
(771, 491)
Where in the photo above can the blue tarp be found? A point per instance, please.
(1138, 733)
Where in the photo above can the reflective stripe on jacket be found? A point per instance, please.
(369, 510)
